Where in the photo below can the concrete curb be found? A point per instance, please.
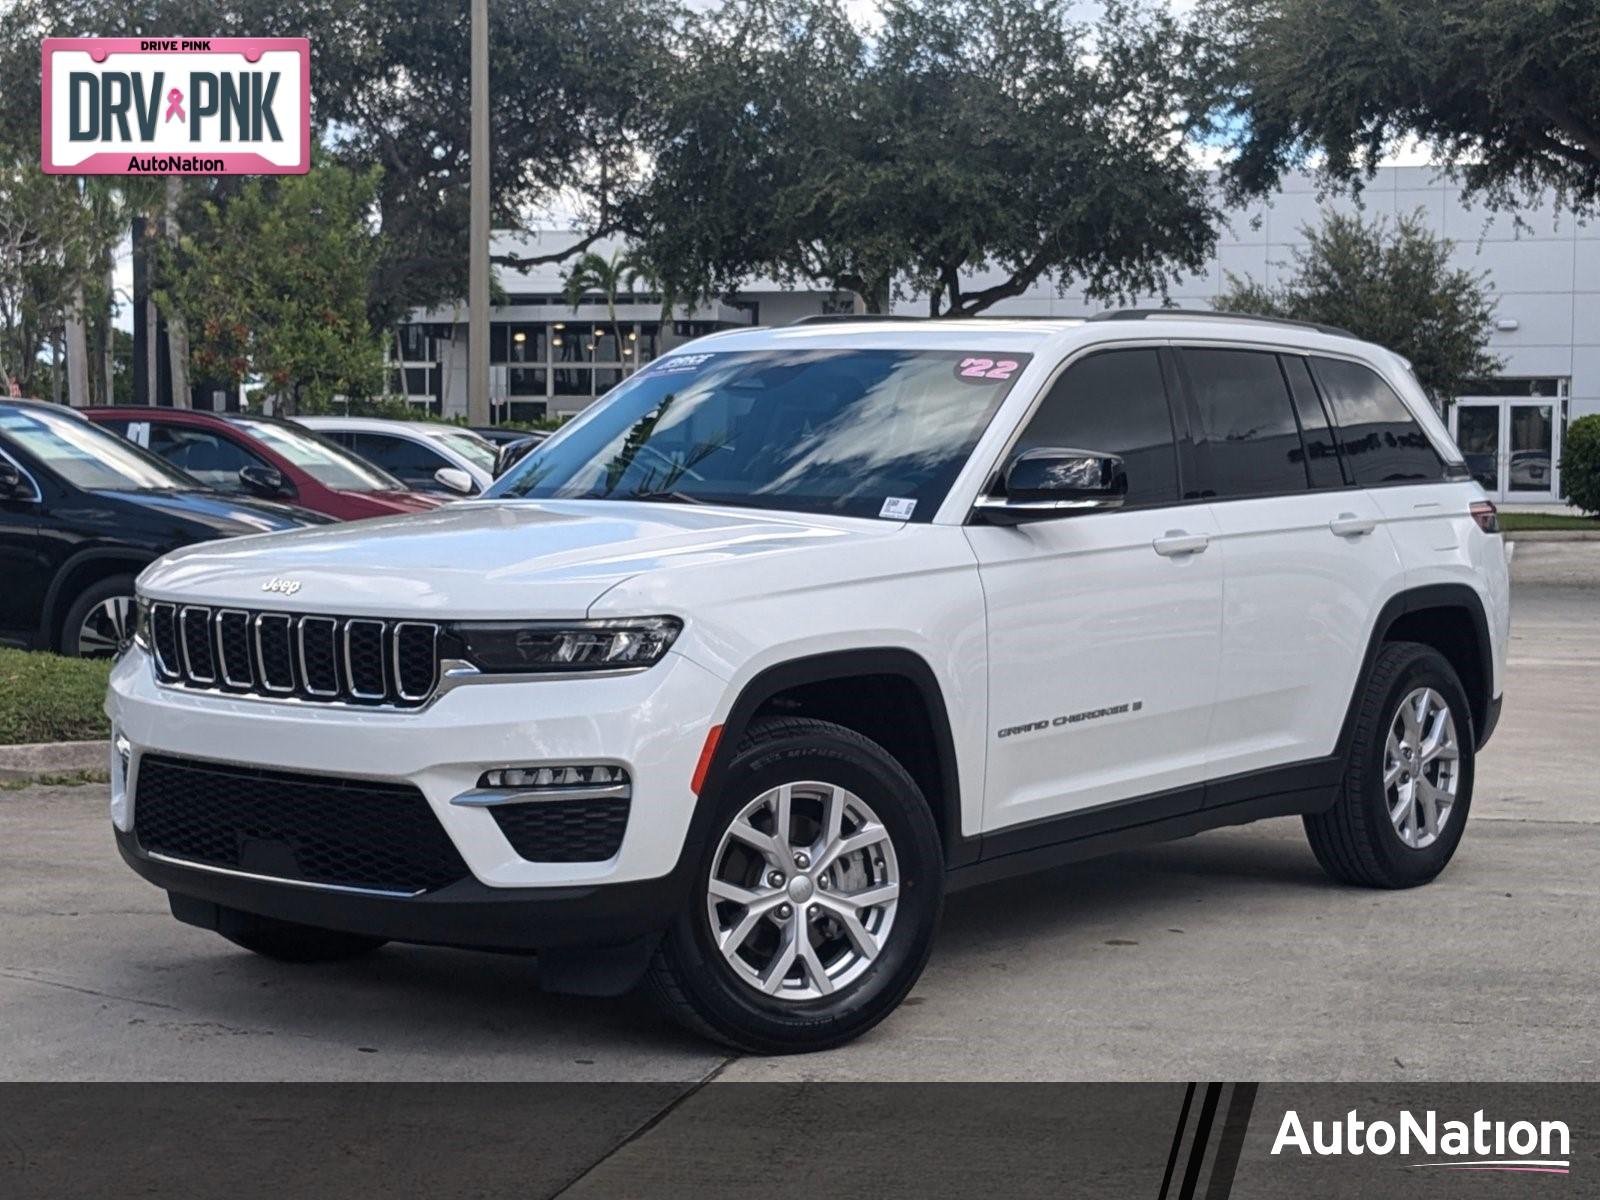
(31, 760)
(1554, 535)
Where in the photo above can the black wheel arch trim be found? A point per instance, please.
(847, 664)
(1480, 692)
(55, 603)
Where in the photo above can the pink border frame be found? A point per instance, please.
(235, 163)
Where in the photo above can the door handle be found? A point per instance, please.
(1175, 542)
(1350, 525)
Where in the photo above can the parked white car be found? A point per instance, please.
(439, 459)
(729, 682)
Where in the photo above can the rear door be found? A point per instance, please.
(1306, 558)
(23, 565)
(1102, 627)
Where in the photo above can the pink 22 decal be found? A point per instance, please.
(982, 369)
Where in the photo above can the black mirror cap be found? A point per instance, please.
(11, 484)
(263, 481)
(1052, 474)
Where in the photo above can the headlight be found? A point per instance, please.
(552, 646)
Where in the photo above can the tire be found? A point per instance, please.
(833, 769)
(1358, 840)
(285, 941)
(73, 642)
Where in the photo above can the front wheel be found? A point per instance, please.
(1408, 780)
(815, 899)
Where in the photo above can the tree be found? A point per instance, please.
(609, 276)
(1392, 284)
(572, 94)
(988, 137)
(1580, 464)
(274, 285)
(1506, 92)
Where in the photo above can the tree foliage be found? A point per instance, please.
(1506, 92)
(1389, 283)
(1580, 463)
(989, 136)
(273, 284)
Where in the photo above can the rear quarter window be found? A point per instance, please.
(1382, 441)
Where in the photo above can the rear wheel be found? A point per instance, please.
(286, 941)
(816, 895)
(100, 621)
(1408, 781)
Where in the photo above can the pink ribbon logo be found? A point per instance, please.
(175, 106)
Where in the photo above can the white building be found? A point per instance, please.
(1544, 267)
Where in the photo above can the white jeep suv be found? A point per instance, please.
(728, 683)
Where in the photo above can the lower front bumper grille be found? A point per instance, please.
(565, 831)
(307, 829)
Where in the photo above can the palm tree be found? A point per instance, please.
(594, 273)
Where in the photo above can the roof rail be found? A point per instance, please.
(839, 318)
(1206, 314)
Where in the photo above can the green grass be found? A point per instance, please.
(47, 698)
(1521, 522)
(59, 779)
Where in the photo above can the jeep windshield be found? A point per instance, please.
(864, 433)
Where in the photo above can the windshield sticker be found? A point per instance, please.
(898, 508)
(679, 364)
(983, 370)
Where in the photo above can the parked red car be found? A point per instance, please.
(265, 457)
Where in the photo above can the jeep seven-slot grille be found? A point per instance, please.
(351, 833)
(354, 660)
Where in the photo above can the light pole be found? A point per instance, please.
(478, 234)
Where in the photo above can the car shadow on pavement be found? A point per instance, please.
(1138, 884)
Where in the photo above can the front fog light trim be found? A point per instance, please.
(547, 783)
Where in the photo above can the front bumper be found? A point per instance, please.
(652, 722)
(467, 914)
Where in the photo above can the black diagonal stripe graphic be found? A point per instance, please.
(1234, 1126)
(1202, 1135)
(1177, 1140)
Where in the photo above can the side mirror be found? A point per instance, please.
(262, 481)
(1053, 482)
(455, 479)
(10, 481)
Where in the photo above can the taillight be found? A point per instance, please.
(1486, 516)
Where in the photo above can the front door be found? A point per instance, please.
(1103, 626)
(1509, 446)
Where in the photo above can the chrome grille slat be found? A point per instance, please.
(233, 653)
(368, 661)
(194, 638)
(319, 661)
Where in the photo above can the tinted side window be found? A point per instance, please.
(1247, 442)
(1381, 439)
(412, 462)
(215, 461)
(1322, 452)
(1115, 402)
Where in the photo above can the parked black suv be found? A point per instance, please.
(82, 512)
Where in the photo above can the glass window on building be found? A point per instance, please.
(526, 381)
(416, 345)
(525, 343)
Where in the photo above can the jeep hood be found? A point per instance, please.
(484, 559)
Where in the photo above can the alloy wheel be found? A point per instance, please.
(106, 628)
(803, 890)
(1421, 767)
